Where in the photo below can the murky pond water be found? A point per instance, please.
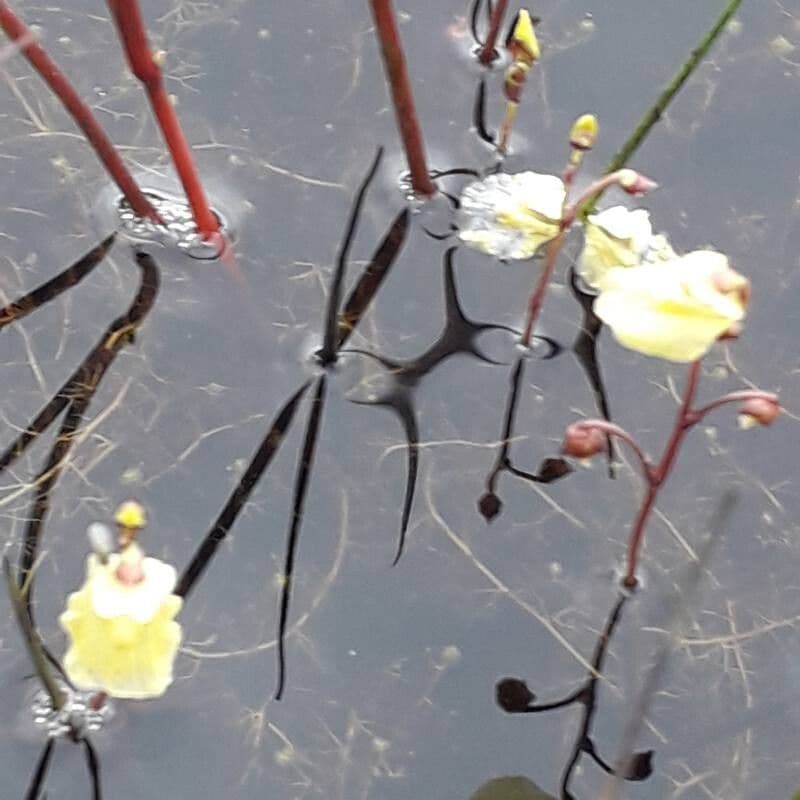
(391, 671)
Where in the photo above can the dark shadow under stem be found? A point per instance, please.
(327, 355)
(40, 773)
(239, 496)
(302, 477)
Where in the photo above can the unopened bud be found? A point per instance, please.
(584, 132)
(758, 411)
(131, 514)
(634, 182)
(523, 44)
(729, 282)
(581, 441)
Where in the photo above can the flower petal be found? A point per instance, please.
(674, 310)
(511, 216)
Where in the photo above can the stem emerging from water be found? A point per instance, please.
(655, 475)
(402, 98)
(488, 53)
(78, 109)
(147, 69)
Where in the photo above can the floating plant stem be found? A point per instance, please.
(147, 68)
(655, 112)
(402, 97)
(236, 502)
(76, 396)
(488, 52)
(302, 476)
(19, 32)
(19, 595)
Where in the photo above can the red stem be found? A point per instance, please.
(612, 429)
(18, 32)
(684, 420)
(488, 53)
(128, 19)
(537, 298)
(655, 476)
(568, 217)
(733, 397)
(397, 74)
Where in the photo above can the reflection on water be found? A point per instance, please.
(201, 401)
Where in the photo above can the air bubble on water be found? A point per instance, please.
(77, 717)
(179, 226)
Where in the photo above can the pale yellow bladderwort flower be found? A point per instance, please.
(511, 216)
(674, 309)
(619, 237)
(121, 625)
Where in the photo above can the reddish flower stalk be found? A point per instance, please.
(19, 32)
(128, 19)
(632, 182)
(656, 474)
(402, 98)
(488, 53)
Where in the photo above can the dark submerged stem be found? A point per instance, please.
(19, 32)
(402, 97)
(40, 774)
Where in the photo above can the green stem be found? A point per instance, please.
(31, 637)
(654, 113)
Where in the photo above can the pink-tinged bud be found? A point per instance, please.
(758, 411)
(634, 182)
(582, 441)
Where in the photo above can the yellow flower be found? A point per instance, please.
(618, 237)
(675, 309)
(511, 216)
(121, 624)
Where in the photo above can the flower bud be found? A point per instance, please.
(584, 132)
(523, 44)
(758, 411)
(634, 182)
(131, 514)
(581, 441)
